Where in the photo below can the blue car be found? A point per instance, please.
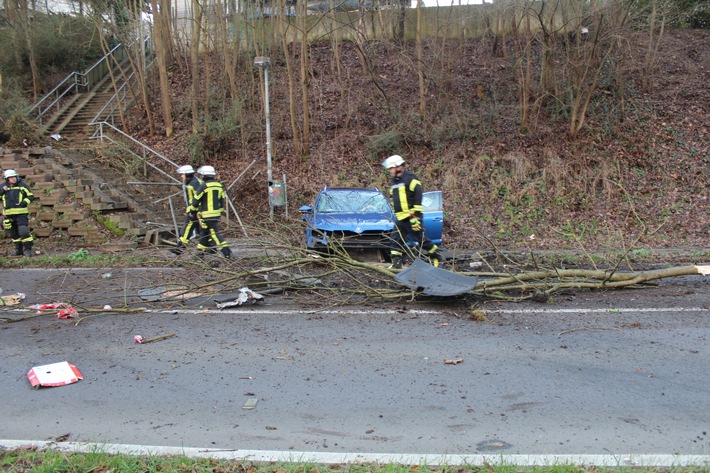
(362, 219)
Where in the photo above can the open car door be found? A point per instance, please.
(433, 205)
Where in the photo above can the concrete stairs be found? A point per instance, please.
(91, 203)
(72, 121)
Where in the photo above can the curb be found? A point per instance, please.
(625, 460)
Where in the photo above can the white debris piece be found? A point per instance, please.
(245, 295)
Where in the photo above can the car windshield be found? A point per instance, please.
(352, 201)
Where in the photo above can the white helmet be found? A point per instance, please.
(10, 173)
(393, 161)
(186, 169)
(208, 171)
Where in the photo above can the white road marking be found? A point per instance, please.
(252, 311)
(591, 311)
(498, 458)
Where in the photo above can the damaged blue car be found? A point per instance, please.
(361, 219)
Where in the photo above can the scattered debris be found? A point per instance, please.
(453, 362)
(250, 403)
(245, 295)
(421, 276)
(56, 136)
(66, 311)
(141, 339)
(165, 292)
(55, 374)
(11, 299)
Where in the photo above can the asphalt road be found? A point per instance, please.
(618, 372)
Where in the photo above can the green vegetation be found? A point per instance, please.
(54, 461)
(81, 258)
(106, 222)
(61, 43)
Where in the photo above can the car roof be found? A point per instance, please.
(350, 189)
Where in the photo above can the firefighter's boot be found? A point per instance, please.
(436, 260)
(227, 252)
(396, 262)
(179, 249)
(27, 249)
(18, 249)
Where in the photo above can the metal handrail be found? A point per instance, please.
(87, 80)
(87, 73)
(145, 150)
(119, 96)
(42, 111)
(78, 79)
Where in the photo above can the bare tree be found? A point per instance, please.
(420, 63)
(163, 50)
(197, 13)
(18, 17)
(656, 28)
(305, 69)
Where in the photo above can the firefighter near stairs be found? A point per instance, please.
(16, 197)
(405, 193)
(209, 203)
(193, 184)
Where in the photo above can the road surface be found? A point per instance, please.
(615, 373)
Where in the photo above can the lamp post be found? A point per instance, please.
(264, 62)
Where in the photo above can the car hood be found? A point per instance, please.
(354, 222)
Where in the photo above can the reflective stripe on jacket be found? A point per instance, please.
(193, 188)
(406, 195)
(17, 198)
(209, 202)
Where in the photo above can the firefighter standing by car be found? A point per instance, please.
(192, 185)
(16, 197)
(209, 203)
(406, 196)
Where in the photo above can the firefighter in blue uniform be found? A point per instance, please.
(193, 185)
(16, 197)
(406, 196)
(210, 202)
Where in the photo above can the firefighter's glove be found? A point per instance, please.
(416, 224)
(7, 224)
(203, 224)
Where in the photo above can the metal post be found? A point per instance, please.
(268, 124)
(263, 62)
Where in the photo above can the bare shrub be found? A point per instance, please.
(519, 167)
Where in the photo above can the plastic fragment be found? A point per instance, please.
(245, 295)
(12, 299)
(68, 312)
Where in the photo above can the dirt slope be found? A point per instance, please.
(641, 164)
